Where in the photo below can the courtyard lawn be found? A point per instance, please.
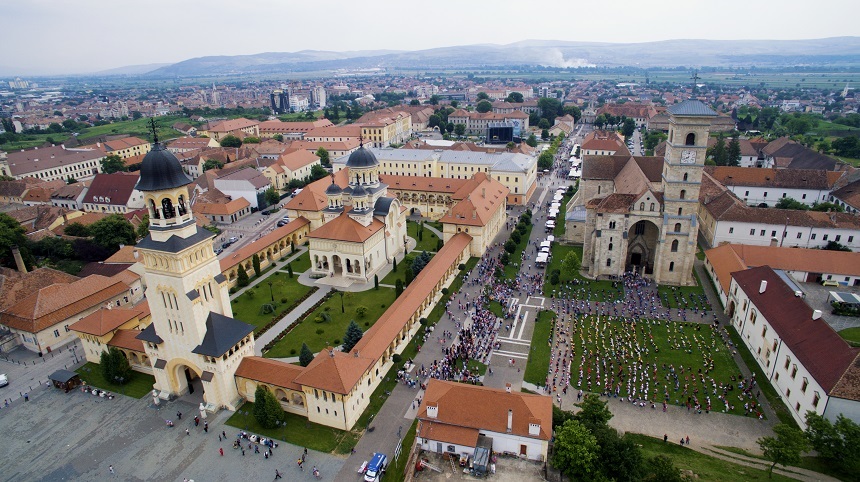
(297, 432)
(497, 309)
(392, 277)
(300, 264)
(537, 367)
(602, 290)
(687, 297)
(704, 466)
(330, 333)
(699, 348)
(851, 335)
(513, 268)
(815, 464)
(139, 386)
(429, 241)
(248, 306)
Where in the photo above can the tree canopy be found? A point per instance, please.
(352, 336)
(785, 448)
(484, 106)
(322, 153)
(231, 141)
(112, 163)
(11, 234)
(112, 231)
(575, 450)
(514, 98)
(306, 356)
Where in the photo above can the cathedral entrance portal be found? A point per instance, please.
(642, 247)
(187, 384)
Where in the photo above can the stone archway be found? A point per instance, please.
(336, 265)
(730, 311)
(642, 247)
(184, 379)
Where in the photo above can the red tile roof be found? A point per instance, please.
(117, 187)
(105, 320)
(272, 372)
(246, 252)
(344, 228)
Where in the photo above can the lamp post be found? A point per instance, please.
(272, 293)
(74, 353)
(342, 309)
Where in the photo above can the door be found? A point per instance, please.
(188, 379)
(522, 449)
(439, 448)
(635, 259)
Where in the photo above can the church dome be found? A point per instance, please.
(333, 189)
(359, 191)
(160, 170)
(363, 157)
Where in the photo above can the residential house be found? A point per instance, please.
(765, 187)
(113, 193)
(70, 196)
(604, 143)
(296, 164)
(248, 183)
(220, 208)
(51, 163)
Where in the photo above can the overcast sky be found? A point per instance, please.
(60, 36)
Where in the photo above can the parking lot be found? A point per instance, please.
(816, 296)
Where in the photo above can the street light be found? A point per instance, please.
(342, 309)
(75, 354)
(271, 292)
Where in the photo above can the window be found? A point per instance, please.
(608, 262)
(825, 237)
(747, 193)
(763, 331)
(56, 333)
(691, 139)
(815, 399)
(765, 194)
(799, 235)
(652, 206)
(787, 392)
(672, 266)
(677, 227)
(674, 247)
(731, 230)
(773, 234)
(838, 237)
(783, 194)
(641, 206)
(812, 236)
(685, 176)
(850, 239)
(680, 210)
(793, 371)
(803, 197)
(787, 362)
(804, 385)
(752, 232)
(611, 224)
(610, 246)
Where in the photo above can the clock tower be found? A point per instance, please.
(689, 126)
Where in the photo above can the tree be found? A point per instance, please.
(409, 275)
(231, 141)
(544, 134)
(433, 121)
(549, 108)
(575, 450)
(112, 231)
(398, 287)
(835, 246)
(532, 140)
(414, 102)
(545, 160)
(835, 442)
(460, 129)
(785, 448)
(662, 469)
(242, 277)
(352, 336)
(306, 356)
(514, 98)
(827, 206)
(594, 413)
(375, 281)
(571, 263)
(510, 146)
(484, 106)
(543, 124)
(483, 96)
(434, 99)
(143, 228)
(114, 366)
(790, 203)
(733, 155)
(11, 234)
(449, 127)
(510, 246)
(628, 127)
(290, 270)
(112, 163)
(322, 153)
(77, 230)
(573, 111)
(271, 196)
(267, 411)
(255, 262)
(394, 265)
(212, 164)
(718, 152)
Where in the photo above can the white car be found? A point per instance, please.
(4, 380)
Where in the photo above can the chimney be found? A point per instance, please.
(510, 421)
(816, 314)
(774, 242)
(19, 260)
(432, 411)
(763, 286)
(508, 387)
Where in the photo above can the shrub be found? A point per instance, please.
(232, 291)
(366, 323)
(510, 246)
(250, 294)
(439, 245)
(516, 237)
(290, 269)
(284, 300)
(445, 291)
(292, 351)
(336, 341)
(396, 358)
(361, 311)
(461, 266)
(320, 331)
(422, 321)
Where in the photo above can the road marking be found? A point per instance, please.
(508, 354)
(523, 325)
(513, 341)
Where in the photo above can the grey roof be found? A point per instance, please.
(359, 191)
(248, 173)
(160, 170)
(62, 376)
(222, 333)
(220, 278)
(691, 108)
(382, 206)
(22, 163)
(175, 244)
(148, 334)
(362, 157)
(389, 154)
(333, 189)
(192, 295)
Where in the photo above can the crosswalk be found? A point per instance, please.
(516, 341)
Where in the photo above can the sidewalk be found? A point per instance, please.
(290, 317)
(271, 270)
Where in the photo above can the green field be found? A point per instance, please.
(814, 464)
(139, 386)
(301, 264)
(574, 283)
(852, 335)
(687, 297)
(298, 432)
(429, 241)
(537, 366)
(513, 268)
(659, 345)
(705, 467)
(139, 128)
(248, 307)
(330, 333)
(397, 470)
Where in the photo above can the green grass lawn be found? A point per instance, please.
(397, 470)
(138, 128)
(687, 297)
(852, 335)
(815, 464)
(429, 241)
(392, 277)
(139, 386)
(558, 231)
(330, 333)
(584, 288)
(849, 160)
(298, 432)
(248, 308)
(27, 141)
(539, 353)
(677, 345)
(706, 467)
(497, 309)
(512, 268)
(301, 264)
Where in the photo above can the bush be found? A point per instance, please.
(292, 351)
(439, 245)
(445, 291)
(516, 237)
(250, 294)
(284, 300)
(320, 331)
(461, 266)
(510, 246)
(396, 358)
(361, 311)
(336, 341)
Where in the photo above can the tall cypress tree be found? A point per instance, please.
(306, 356)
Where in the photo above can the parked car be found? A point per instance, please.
(266, 213)
(4, 380)
(233, 239)
(219, 250)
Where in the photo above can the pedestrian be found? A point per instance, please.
(688, 440)
(682, 441)
(665, 438)
(224, 434)
(26, 397)
(305, 453)
(243, 452)
(221, 451)
(219, 438)
(206, 427)
(277, 474)
(110, 469)
(256, 449)
(187, 432)
(196, 421)
(179, 415)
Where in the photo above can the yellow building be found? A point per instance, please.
(382, 129)
(118, 328)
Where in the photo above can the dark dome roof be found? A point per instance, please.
(362, 158)
(333, 189)
(160, 170)
(359, 191)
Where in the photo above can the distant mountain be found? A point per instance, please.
(837, 51)
(131, 69)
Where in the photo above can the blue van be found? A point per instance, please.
(376, 467)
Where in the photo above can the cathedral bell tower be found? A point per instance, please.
(689, 125)
(193, 338)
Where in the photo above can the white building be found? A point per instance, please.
(810, 365)
(452, 416)
(50, 163)
(761, 186)
(248, 183)
(318, 97)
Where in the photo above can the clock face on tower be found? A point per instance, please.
(688, 157)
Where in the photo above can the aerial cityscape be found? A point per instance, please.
(558, 249)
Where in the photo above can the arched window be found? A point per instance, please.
(608, 262)
(181, 208)
(672, 266)
(683, 194)
(677, 227)
(674, 246)
(167, 208)
(685, 176)
(691, 139)
(153, 211)
(641, 206)
(610, 246)
(652, 206)
(680, 210)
